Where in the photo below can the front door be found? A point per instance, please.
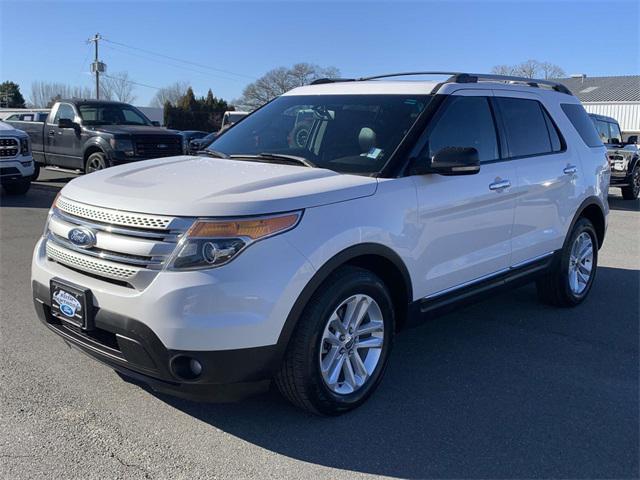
(466, 220)
(64, 144)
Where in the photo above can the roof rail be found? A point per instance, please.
(460, 77)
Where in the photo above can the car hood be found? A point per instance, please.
(133, 130)
(203, 186)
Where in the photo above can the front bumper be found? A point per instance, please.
(131, 348)
(16, 170)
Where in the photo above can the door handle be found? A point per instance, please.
(500, 185)
(570, 170)
(52, 133)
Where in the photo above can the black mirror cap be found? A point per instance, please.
(66, 123)
(155, 123)
(632, 140)
(454, 161)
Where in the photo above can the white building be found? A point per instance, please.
(616, 97)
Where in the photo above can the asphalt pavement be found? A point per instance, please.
(507, 388)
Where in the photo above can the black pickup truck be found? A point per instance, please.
(89, 135)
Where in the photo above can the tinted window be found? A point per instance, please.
(525, 127)
(603, 130)
(464, 122)
(582, 123)
(614, 133)
(554, 136)
(64, 111)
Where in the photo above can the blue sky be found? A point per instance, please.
(360, 38)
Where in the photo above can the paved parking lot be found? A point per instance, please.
(507, 388)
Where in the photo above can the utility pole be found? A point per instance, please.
(97, 66)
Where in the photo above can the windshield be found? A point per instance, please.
(345, 133)
(101, 114)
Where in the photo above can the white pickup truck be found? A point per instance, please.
(16, 163)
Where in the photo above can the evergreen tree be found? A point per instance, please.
(10, 95)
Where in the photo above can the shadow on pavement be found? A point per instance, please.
(506, 388)
(36, 197)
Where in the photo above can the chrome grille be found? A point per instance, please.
(132, 254)
(9, 147)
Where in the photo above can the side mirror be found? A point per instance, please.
(452, 161)
(632, 140)
(155, 123)
(66, 123)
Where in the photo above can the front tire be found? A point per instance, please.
(96, 161)
(18, 188)
(36, 171)
(632, 191)
(338, 352)
(572, 275)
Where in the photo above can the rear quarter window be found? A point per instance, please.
(582, 123)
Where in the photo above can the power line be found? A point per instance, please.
(131, 81)
(200, 65)
(181, 67)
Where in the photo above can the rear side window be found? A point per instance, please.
(526, 127)
(582, 123)
(465, 122)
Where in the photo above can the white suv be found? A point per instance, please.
(264, 258)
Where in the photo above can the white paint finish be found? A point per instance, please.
(372, 87)
(203, 186)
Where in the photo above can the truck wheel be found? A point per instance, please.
(96, 161)
(339, 349)
(36, 171)
(572, 276)
(633, 190)
(19, 188)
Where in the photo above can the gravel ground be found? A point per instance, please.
(507, 388)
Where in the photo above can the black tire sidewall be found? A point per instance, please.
(19, 188)
(337, 290)
(103, 161)
(583, 225)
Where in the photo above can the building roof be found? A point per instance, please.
(604, 89)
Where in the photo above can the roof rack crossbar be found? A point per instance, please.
(459, 77)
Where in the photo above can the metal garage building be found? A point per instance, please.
(617, 97)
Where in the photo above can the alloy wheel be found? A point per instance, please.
(581, 263)
(351, 344)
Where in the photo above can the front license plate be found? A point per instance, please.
(618, 166)
(71, 303)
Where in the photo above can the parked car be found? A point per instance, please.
(28, 117)
(201, 143)
(188, 136)
(16, 163)
(206, 277)
(231, 117)
(623, 156)
(90, 135)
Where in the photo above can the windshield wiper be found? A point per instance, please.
(279, 158)
(213, 153)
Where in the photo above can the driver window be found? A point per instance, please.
(464, 122)
(615, 136)
(64, 111)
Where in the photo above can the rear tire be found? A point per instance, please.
(633, 190)
(96, 161)
(320, 372)
(573, 273)
(18, 188)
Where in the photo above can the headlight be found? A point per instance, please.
(46, 223)
(122, 145)
(24, 146)
(211, 243)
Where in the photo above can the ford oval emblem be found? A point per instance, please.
(82, 237)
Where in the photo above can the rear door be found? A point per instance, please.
(465, 220)
(547, 173)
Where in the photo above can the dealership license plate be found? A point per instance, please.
(618, 166)
(71, 303)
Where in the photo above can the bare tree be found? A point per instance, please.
(171, 93)
(530, 69)
(117, 86)
(44, 93)
(551, 70)
(280, 80)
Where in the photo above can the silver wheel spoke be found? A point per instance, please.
(349, 375)
(336, 323)
(371, 342)
(358, 366)
(356, 310)
(370, 327)
(334, 373)
(328, 363)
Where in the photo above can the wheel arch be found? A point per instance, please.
(94, 146)
(379, 259)
(592, 209)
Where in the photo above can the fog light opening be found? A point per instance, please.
(186, 368)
